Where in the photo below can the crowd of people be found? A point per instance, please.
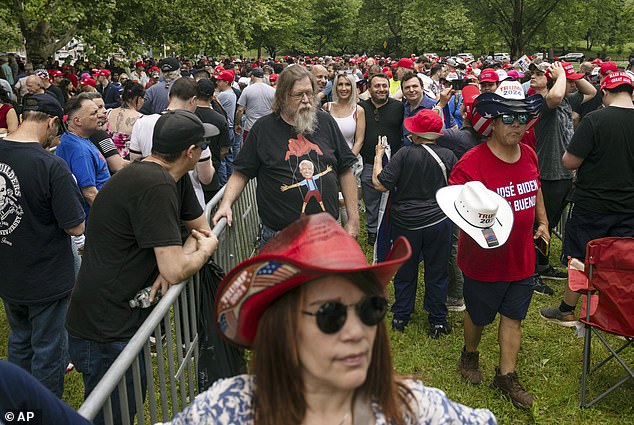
(464, 166)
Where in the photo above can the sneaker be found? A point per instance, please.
(398, 325)
(540, 287)
(470, 366)
(555, 315)
(371, 238)
(553, 273)
(455, 304)
(436, 331)
(510, 386)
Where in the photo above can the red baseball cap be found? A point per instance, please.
(273, 78)
(570, 71)
(616, 79)
(140, 64)
(405, 63)
(607, 67)
(426, 124)
(225, 76)
(312, 247)
(88, 82)
(489, 75)
(104, 73)
(469, 94)
(57, 73)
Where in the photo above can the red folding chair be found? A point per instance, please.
(608, 304)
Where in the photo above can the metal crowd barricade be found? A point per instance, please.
(561, 226)
(171, 360)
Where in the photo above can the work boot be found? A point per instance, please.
(510, 386)
(470, 366)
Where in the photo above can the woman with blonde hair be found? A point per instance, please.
(349, 116)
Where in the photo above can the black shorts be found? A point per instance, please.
(584, 225)
(484, 300)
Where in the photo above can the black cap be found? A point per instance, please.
(257, 72)
(170, 64)
(43, 103)
(177, 130)
(205, 87)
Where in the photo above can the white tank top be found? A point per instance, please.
(348, 127)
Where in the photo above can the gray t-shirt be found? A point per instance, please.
(257, 100)
(227, 99)
(553, 132)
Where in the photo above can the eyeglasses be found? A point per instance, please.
(508, 119)
(332, 315)
(299, 96)
(203, 146)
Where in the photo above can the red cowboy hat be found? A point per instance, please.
(312, 247)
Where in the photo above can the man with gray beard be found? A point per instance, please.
(277, 151)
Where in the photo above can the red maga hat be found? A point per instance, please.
(426, 124)
(140, 64)
(88, 82)
(489, 75)
(312, 247)
(570, 71)
(616, 79)
(607, 67)
(405, 63)
(104, 73)
(226, 76)
(56, 73)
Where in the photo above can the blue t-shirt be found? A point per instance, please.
(86, 163)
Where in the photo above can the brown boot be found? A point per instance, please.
(510, 385)
(470, 366)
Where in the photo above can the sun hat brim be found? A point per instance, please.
(501, 228)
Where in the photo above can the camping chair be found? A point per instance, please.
(608, 305)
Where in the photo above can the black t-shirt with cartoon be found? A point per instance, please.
(296, 173)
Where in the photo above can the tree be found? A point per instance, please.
(333, 22)
(389, 12)
(517, 21)
(421, 15)
(282, 25)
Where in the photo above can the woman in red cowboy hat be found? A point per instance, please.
(312, 309)
(414, 174)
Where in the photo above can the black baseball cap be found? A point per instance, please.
(257, 72)
(170, 64)
(177, 130)
(205, 87)
(43, 103)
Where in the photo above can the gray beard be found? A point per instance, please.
(306, 121)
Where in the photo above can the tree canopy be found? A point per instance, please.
(389, 27)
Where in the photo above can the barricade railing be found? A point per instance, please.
(560, 229)
(170, 361)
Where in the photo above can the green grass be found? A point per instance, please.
(549, 366)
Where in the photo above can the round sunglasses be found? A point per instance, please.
(508, 119)
(332, 315)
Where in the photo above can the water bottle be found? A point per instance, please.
(142, 298)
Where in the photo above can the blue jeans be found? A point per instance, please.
(226, 164)
(37, 341)
(434, 243)
(93, 359)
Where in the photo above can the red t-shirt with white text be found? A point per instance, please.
(518, 183)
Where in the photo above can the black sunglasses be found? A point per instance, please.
(332, 315)
(508, 119)
(203, 146)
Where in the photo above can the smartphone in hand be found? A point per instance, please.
(542, 245)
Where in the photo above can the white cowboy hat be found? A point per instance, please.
(481, 213)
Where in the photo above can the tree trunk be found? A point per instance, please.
(517, 36)
(42, 43)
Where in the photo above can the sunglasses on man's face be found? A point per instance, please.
(332, 315)
(203, 146)
(508, 119)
